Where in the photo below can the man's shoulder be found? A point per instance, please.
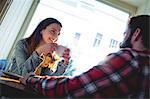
(128, 52)
(122, 53)
(126, 49)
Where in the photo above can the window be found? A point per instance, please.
(77, 36)
(97, 40)
(113, 43)
(87, 28)
(4, 5)
(12, 16)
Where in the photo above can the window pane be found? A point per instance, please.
(89, 28)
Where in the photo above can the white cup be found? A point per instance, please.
(60, 50)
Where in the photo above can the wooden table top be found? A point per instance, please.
(13, 88)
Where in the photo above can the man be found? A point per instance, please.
(124, 74)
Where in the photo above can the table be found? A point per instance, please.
(17, 90)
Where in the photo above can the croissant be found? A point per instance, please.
(49, 61)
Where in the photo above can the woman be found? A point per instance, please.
(42, 41)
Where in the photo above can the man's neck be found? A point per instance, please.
(141, 49)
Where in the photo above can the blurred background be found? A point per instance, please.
(91, 28)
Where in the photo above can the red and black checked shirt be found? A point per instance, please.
(124, 74)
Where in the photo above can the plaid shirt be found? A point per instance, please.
(124, 74)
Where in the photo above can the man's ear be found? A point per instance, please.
(137, 34)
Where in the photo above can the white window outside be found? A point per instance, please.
(113, 43)
(97, 40)
(82, 20)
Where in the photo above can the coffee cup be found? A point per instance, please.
(60, 50)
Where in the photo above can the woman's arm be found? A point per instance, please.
(24, 62)
(113, 78)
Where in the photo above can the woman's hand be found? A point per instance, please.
(24, 78)
(66, 56)
(46, 48)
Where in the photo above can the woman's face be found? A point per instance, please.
(50, 33)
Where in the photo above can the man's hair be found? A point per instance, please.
(142, 22)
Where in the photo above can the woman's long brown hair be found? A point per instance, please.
(36, 36)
